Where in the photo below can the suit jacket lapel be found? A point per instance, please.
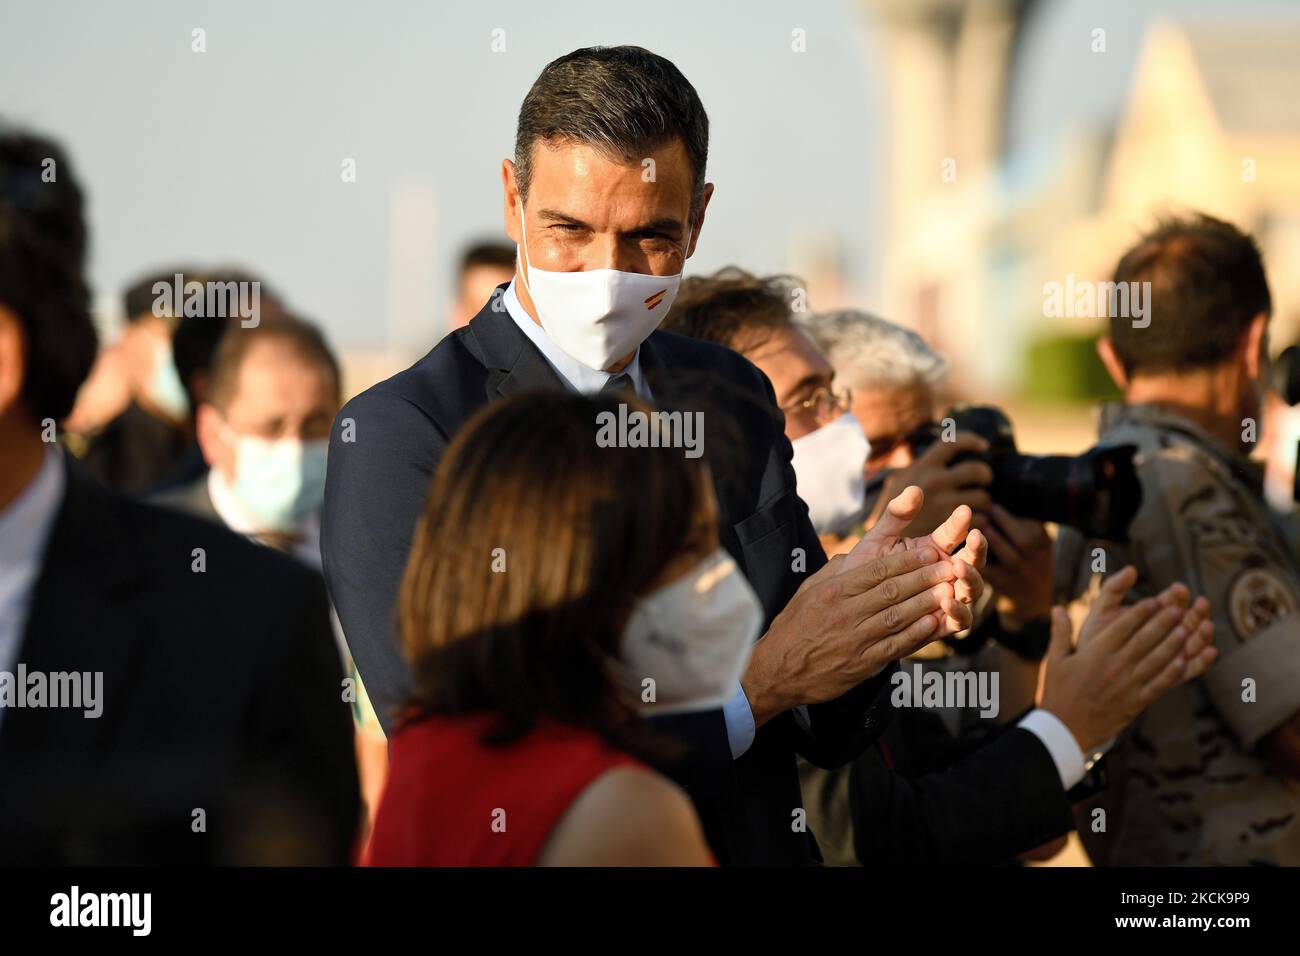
(673, 386)
(513, 362)
(655, 369)
(693, 390)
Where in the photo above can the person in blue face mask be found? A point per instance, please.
(273, 392)
(132, 420)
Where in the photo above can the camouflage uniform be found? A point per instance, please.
(1185, 785)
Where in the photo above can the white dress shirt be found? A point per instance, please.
(235, 516)
(580, 378)
(25, 526)
(1060, 743)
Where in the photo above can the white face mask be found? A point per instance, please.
(600, 315)
(279, 482)
(828, 464)
(692, 637)
(165, 388)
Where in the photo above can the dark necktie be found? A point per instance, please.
(621, 381)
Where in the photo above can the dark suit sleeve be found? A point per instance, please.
(300, 746)
(832, 733)
(1000, 801)
(383, 452)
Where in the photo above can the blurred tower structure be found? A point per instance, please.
(947, 65)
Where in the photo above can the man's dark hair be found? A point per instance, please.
(1207, 284)
(304, 337)
(138, 297)
(43, 243)
(489, 253)
(732, 307)
(195, 341)
(623, 100)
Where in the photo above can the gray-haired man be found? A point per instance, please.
(894, 376)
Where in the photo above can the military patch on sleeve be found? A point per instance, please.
(1257, 599)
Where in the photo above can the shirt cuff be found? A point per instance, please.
(1060, 743)
(740, 722)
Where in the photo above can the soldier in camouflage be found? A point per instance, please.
(1210, 773)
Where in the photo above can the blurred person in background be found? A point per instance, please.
(1209, 775)
(752, 316)
(102, 397)
(263, 424)
(601, 252)
(483, 267)
(893, 376)
(272, 393)
(149, 436)
(215, 733)
(194, 345)
(1280, 439)
(106, 396)
(524, 743)
(927, 794)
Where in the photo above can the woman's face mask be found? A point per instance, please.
(687, 643)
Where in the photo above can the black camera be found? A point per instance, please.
(1286, 381)
(1097, 492)
(1286, 375)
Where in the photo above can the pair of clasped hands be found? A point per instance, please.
(892, 595)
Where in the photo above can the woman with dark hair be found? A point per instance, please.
(557, 591)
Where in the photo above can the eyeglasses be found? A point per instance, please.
(825, 402)
(884, 446)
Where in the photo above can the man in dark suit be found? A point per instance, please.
(606, 198)
(168, 691)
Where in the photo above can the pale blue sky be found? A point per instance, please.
(233, 155)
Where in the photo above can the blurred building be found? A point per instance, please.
(1211, 122)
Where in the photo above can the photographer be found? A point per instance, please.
(893, 376)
